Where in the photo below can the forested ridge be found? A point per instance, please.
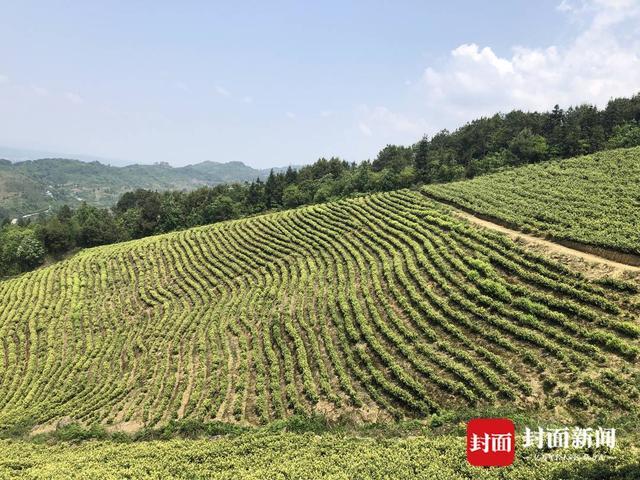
(31, 186)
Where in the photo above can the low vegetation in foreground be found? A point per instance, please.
(593, 199)
(293, 456)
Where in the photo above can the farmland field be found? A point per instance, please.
(594, 199)
(379, 307)
(288, 455)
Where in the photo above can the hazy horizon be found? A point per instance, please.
(284, 83)
(16, 155)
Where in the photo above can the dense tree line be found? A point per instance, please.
(482, 146)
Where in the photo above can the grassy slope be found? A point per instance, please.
(292, 456)
(593, 199)
(378, 307)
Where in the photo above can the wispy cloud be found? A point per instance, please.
(3, 78)
(222, 91)
(364, 128)
(182, 86)
(326, 113)
(390, 125)
(73, 98)
(40, 91)
(290, 115)
(247, 99)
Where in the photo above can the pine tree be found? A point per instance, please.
(421, 160)
(269, 189)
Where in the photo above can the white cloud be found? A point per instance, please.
(3, 78)
(565, 6)
(222, 91)
(290, 115)
(326, 113)
(73, 98)
(582, 7)
(601, 62)
(364, 128)
(247, 99)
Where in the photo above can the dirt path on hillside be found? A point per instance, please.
(587, 263)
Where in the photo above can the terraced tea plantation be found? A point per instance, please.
(381, 306)
(593, 199)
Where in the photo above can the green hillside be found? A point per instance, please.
(380, 307)
(593, 199)
(35, 185)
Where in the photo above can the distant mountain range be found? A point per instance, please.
(31, 186)
(22, 154)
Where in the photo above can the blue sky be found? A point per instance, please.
(276, 83)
